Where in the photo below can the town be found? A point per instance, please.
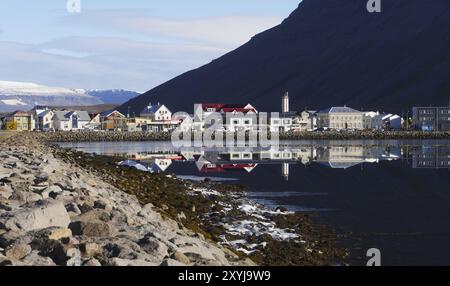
(159, 118)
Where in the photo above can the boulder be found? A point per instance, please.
(94, 228)
(180, 257)
(90, 249)
(18, 251)
(34, 259)
(92, 262)
(39, 215)
(172, 262)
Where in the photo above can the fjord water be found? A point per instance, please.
(390, 195)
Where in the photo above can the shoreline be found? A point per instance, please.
(214, 223)
(111, 136)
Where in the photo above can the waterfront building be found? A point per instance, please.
(392, 121)
(113, 120)
(44, 120)
(158, 112)
(340, 118)
(70, 120)
(233, 116)
(431, 118)
(20, 121)
(373, 120)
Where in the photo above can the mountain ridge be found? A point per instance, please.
(326, 53)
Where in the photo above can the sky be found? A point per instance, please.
(133, 44)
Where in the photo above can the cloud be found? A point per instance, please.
(224, 32)
(83, 62)
(126, 49)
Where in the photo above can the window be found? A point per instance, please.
(235, 121)
(247, 122)
(235, 156)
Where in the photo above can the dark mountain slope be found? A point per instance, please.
(329, 52)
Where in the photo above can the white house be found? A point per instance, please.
(373, 120)
(340, 118)
(44, 120)
(158, 112)
(70, 120)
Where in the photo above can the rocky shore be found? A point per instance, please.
(56, 213)
(90, 136)
(63, 207)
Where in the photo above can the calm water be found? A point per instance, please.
(391, 195)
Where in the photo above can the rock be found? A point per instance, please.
(73, 209)
(34, 259)
(18, 251)
(91, 249)
(94, 228)
(5, 192)
(154, 247)
(101, 204)
(172, 262)
(180, 257)
(74, 261)
(129, 262)
(42, 214)
(5, 261)
(84, 208)
(59, 233)
(74, 255)
(55, 250)
(92, 262)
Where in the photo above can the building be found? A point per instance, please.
(431, 118)
(20, 121)
(44, 120)
(113, 120)
(64, 120)
(158, 112)
(340, 118)
(392, 121)
(233, 116)
(373, 120)
(304, 121)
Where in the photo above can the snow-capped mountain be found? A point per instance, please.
(26, 95)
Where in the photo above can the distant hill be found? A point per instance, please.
(113, 96)
(329, 52)
(25, 95)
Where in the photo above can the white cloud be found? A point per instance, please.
(135, 52)
(223, 32)
(105, 62)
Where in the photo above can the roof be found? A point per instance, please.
(109, 112)
(151, 109)
(228, 108)
(20, 113)
(65, 115)
(343, 109)
(44, 113)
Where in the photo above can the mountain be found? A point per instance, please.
(113, 96)
(329, 52)
(25, 95)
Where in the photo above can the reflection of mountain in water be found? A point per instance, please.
(247, 159)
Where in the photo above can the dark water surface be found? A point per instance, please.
(390, 195)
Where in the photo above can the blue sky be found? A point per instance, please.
(133, 44)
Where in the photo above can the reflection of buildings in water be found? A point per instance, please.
(247, 159)
(435, 157)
